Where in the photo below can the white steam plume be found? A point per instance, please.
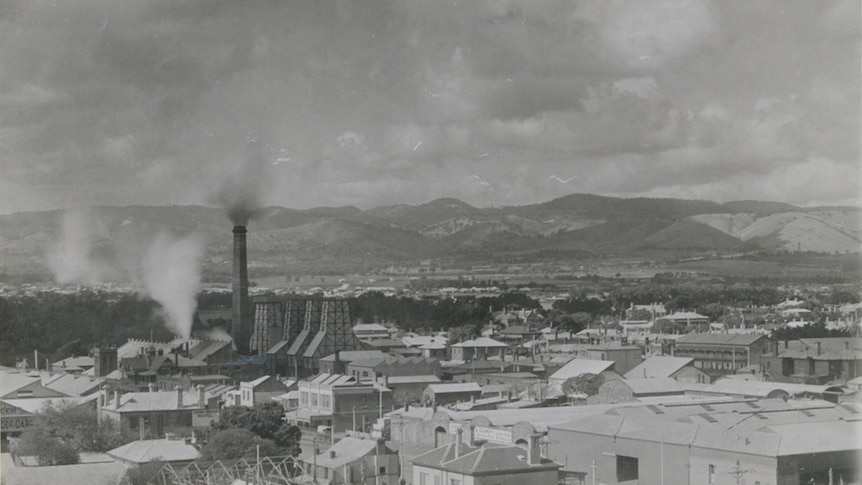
(171, 276)
(168, 267)
(73, 258)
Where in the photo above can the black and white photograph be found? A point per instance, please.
(439, 242)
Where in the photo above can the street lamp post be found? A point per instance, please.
(737, 472)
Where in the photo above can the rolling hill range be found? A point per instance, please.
(349, 239)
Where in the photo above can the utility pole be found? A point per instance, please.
(593, 471)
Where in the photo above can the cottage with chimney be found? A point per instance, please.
(152, 413)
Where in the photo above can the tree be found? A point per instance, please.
(47, 449)
(79, 427)
(583, 385)
(264, 420)
(233, 444)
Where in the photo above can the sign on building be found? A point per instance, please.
(492, 435)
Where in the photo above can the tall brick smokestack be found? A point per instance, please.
(241, 318)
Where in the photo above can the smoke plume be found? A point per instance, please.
(74, 258)
(241, 193)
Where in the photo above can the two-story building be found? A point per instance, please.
(720, 354)
(341, 402)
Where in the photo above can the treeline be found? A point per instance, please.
(435, 314)
(59, 325)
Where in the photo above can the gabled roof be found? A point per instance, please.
(155, 401)
(150, 450)
(658, 366)
(346, 451)
(72, 385)
(481, 342)
(36, 405)
(455, 387)
(576, 367)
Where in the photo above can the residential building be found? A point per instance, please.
(170, 449)
(152, 413)
(260, 390)
(353, 461)
(814, 360)
(478, 349)
(341, 402)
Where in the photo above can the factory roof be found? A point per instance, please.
(576, 367)
(488, 459)
(659, 366)
(758, 388)
(654, 385)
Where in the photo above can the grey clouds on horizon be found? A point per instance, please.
(365, 103)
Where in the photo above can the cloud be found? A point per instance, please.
(154, 102)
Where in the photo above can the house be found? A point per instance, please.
(478, 349)
(441, 394)
(152, 413)
(340, 401)
(457, 463)
(688, 319)
(681, 369)
(814, 360)
(176, 451)
(519, 334)
(431, 346)
(409, 389)
(720, 354)
(74, 364)
(353, 461)
(370, 331)
(260, 390)
(391, 366)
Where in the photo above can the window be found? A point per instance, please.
(627, 468)
(711, 473)
(454, 481)
(382, 471)
(314, 399)
(423, 478)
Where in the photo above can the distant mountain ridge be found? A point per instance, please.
(347, 238)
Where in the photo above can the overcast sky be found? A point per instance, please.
(327, 103)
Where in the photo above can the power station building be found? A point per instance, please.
(291, 334)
